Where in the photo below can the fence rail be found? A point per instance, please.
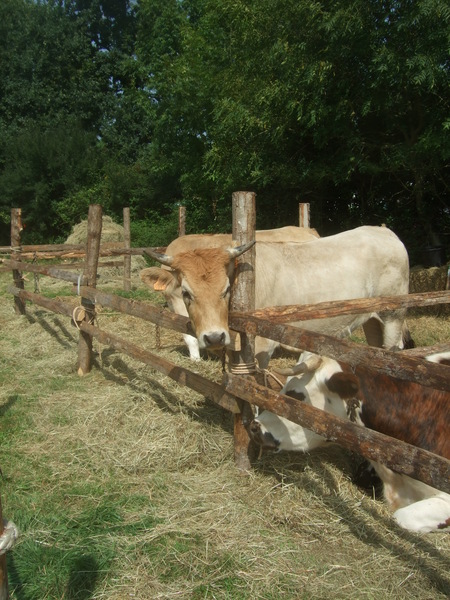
(237, 390)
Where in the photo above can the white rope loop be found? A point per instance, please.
(8, 537)
(244, 368)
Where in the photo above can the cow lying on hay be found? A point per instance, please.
(366, 262)
(418, 416)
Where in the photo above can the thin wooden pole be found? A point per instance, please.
(303, 214)
(4, 592)
(127, 246)
(181, 221)
(243, 298)
(90, 276)
(16, 228)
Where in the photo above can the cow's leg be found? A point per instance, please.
(373, 330)
(264, 349)
(431, 514)
(192, 344)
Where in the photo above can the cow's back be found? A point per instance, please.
(406, 411)
(289, 233)
(366, 262)
(361, 263)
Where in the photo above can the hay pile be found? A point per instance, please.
(423, 280)
(433, 279)
(111, 232)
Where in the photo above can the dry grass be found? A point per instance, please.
(128, 468)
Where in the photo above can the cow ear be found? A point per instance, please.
(156, 278)
(345, 385)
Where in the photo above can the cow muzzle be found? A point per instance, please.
(214, 339)
(262, 438)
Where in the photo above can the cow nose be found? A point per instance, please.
(214, 339)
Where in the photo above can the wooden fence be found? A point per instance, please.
(238, 391)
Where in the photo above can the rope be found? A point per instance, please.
(8, 537)
(244, 368)
(79, 314)
(268, 374)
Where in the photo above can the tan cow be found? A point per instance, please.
(160, 281)
(362, 263)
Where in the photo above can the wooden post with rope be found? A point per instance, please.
(16, 228)
(127, 246)
(87, 309)
(243, 298)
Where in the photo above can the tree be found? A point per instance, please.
(341, 104)
(63, 67)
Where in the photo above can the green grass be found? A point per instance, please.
(123, 486)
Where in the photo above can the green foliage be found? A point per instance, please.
(155, 230)
(341, 104)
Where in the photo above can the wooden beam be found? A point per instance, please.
(243, 298)
(401, 457)
(127, 246)
(395, 364)
(4, 591)
(335, 308)
(16, 228)
(94, 231)
(200, 384)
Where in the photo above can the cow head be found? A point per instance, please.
(319, 382)
(200, 280)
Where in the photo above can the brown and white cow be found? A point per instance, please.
(403, 410)
(161, 281)
(364, 262)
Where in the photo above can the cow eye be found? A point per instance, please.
(226, 292)
(186, 296)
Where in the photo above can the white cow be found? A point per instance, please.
(362, 263)
(161, 281)
(405, 411)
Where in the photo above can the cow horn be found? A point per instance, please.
(164, 259)
(309, 365)
(235, 252)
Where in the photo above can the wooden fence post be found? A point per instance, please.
(16, 228)
(4, 592)
(303, 214)
(181, 221)
(243, 299)
(94, 232)
(127, 246)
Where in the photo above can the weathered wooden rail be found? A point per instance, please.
(238, 391)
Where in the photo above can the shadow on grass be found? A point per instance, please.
(57, 329)
(206, 412)
(413, 549)
(4, 408)
(83, 578)
(81, 585)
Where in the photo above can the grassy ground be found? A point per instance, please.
(123, 486)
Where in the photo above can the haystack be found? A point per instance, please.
(111, 232)
(432, 279)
